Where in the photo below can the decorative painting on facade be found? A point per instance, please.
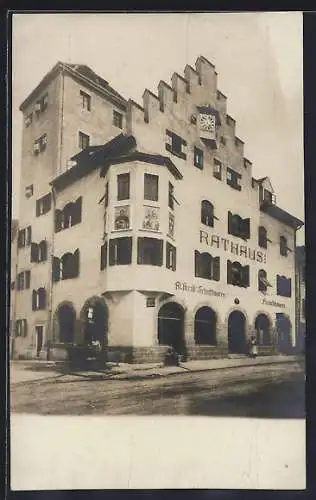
(121, 218)
(151, 218)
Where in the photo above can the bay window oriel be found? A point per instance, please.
(149, 251)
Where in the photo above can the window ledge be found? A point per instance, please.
(143, 230)
(122, 230)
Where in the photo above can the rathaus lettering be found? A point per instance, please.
(212, 240)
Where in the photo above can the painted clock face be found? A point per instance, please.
(207, 122)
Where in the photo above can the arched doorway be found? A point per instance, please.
(237, 333)
(171, 326)
(94, 317)
(205, 326)
(66, 317)
(284, 329)
(263, 330)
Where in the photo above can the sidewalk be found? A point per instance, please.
(22, 371)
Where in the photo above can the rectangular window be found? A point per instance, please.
(150, 302)
(29, 191)
(85, 100)
(198, 158)
(40, 144)
(117, 119)
(176, 145)
(21, 328)
(20, 281)
(283, 246)
(120, 251)
(43, 205)
(149, 251)
(171, 256)
(151, 187)
(217, 169)
(233, 179)
(44, 102)
(84, 140)
(123, 186)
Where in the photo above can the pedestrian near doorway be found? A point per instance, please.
(253, 349)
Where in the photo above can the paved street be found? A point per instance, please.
(264, 391)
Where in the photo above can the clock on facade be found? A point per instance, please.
(207, 122)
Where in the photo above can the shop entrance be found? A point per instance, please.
(284, 328)
(171, 326)
(263, 330)
(237, 333)
(205, 326)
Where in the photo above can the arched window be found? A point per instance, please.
(206, 266)
(207, 213)
(262, 237)
(262, 280)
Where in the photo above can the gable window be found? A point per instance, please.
(176, 145)
(39, 299)
(43, 205)
(237, 274)
(28, 120)
(40, 144)
(149, 251)
(207, 213)
(284, 287)
(123, 186)
(21, 328)
(66, 267)
(263, 282)
(206, 266)
(217, 169)
(120, 251)
(103, 256)
(151, 187)
(29, 191)
(69, 216)
(238, 227)
(85, 100)
(41, 104)
(283, 246)
(117, 119)
(171, 256)
(262, 237)
(233, 179)
(267, 197)
(84, 140)
(39, 251)
(198, 158)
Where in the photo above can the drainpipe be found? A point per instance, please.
(50, 342)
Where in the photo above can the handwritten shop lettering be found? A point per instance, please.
(273, 303)
(186, 287)
(213, 240)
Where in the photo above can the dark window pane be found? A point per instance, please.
(123, 187)
(151, 187)
(150, 251)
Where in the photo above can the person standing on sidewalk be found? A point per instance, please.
(253, 349)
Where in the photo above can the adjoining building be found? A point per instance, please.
(300, 298)
(146, 228)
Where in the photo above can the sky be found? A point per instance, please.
(258, 58)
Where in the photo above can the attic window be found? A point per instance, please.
(85, 100)
(233, 179)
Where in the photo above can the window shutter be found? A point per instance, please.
(38, 207)
(27, 279)
(174, 258)
(34, 296)
(112, 244)
(278, 285)
(76, 211)
(230, 224)
(246, 228)
(76, 263)
(29, 235)
(103, 256)
(56, 269)
(43, 249)
(24, 327)
(160, 253)
(289, 288)
(17, 328)
(139, 250)
(34, 252)
(216, 268)
(229, 272)
(42, 298)
(245, 276)
(58, 220)
(197, 264)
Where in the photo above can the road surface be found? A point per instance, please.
(263, 391)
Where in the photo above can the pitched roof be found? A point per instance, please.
(281, 215)
(120, 149)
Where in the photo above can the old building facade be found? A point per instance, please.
(146, 228)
